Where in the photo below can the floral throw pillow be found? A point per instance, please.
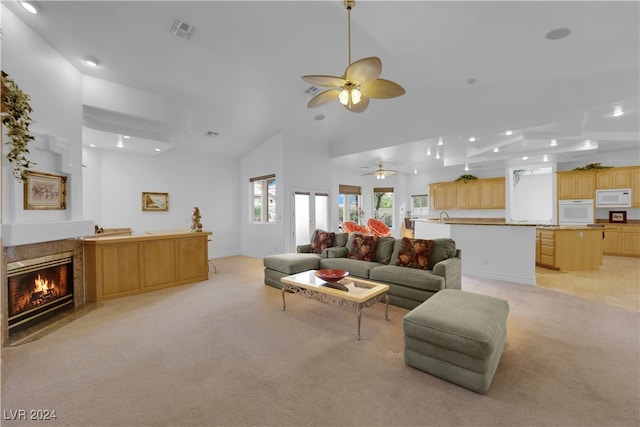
(321, 240)
(415, 253)
(363, 247)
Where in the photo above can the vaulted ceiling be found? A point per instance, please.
(470, 69)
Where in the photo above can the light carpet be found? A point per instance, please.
(223, 353)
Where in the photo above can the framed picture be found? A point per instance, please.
(619, 217)
(155, 201)
(45, 191)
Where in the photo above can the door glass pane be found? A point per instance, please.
(303, 234)
(322, 211)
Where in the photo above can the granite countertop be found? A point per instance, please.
(475, 221)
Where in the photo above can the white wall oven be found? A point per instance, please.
(575, 212)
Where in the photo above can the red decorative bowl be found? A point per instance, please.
(331, 275)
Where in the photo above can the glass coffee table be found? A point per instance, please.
(360, 292)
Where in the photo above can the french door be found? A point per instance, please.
(310, 211)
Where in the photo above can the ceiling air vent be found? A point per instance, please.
(182, 29)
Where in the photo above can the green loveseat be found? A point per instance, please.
(408, 287)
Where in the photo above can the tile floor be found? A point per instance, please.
(617, 282)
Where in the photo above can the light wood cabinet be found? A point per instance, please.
(622, 239)
(468, 195)
(570, 249)
(443, 195)
(128, 265)
(614, 177)
(488, 193)
(635, 187)
(576, 185)
(492, 193)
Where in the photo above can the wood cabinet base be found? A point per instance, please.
(130, 265)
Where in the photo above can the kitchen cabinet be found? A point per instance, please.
(635, 187)
(615, 177)
(492, 193)
(576, 185)
(468, 195)
(622, 239)
(570, 248)
(488, 193)
(443, 195)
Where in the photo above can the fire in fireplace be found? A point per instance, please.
(39, 288)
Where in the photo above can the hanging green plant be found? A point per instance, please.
(591, 166)
(16, 118)
(466, 177)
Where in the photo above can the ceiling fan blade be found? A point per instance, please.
(360, 106)
(323, 98)
(364, 70)
(327, 81)
(381, 89)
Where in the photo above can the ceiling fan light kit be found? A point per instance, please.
(359, 82)
(381, 173)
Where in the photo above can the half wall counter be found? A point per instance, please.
(120, 266)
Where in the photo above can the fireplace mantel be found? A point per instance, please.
(16, 234)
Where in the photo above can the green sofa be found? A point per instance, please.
(408, 287)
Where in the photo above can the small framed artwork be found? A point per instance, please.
(158, 202)
(45, 191)
(619, 217)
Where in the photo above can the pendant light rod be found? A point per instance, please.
(349, 4)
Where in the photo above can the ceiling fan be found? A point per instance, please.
(359, 82)
(381, 173)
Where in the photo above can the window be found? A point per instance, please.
(263, 190)
(419, 204)
(349, 208)
(383, 205)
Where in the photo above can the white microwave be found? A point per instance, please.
(615, 198)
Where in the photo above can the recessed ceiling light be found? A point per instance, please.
(553, 143)
(509, 132)
(31, 6)
(525, 158)
(120, 144)
(126, 136)
(437, 154)
(472, 139)
(415, 170)
(495, 150)
(156, 149)
(92, 145)
(545, 158)
(617, 112)
(428, 151)
(558, 33)
(587, 143)
(91, 61)
(466, 167)
(440, 141)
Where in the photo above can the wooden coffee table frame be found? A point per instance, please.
(362, 293)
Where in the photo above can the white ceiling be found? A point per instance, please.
(239, 74)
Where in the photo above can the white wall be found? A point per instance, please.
(208, 183)
(55, 89)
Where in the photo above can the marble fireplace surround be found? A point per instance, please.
(36, 250)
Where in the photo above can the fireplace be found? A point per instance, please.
(39, 288)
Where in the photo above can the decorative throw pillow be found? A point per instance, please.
(321, 240)
(415, 253)
(363, 247)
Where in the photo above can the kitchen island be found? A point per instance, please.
(490, 248)
(495, 249)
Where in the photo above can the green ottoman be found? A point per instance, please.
(278, 266)
(457, 336)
